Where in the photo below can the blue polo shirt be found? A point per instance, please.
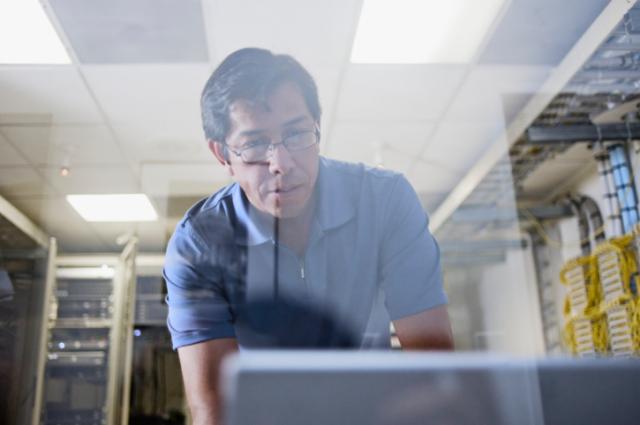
(370, 258)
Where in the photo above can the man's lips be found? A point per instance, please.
(285, 189)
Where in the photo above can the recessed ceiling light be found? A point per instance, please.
(114, 207)
(422, 31)
(27, 35)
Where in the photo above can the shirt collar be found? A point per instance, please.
(334, 207)
(257, 229)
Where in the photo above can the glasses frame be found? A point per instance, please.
(272, 147)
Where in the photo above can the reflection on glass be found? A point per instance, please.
(298, 220)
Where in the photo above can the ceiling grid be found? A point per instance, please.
(134, 124)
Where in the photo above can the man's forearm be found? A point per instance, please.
(200, 365)
(205, 415)
(429, 330)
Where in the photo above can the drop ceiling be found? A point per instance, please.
(124, 116)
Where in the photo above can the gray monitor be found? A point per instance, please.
(376, 388)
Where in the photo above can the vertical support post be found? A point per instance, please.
(551, 333)
(44, 331)
(120, 336)
(128, 324)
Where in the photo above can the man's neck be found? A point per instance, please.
(294, 231)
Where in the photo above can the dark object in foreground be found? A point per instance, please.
(285, 323)
(394, 388)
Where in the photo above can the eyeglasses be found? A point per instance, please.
(261, 150)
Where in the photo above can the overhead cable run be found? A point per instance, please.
(588, 133)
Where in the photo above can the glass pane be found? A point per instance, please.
(462, 229)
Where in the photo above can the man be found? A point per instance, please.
(346, 239)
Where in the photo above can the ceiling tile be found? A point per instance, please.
(54, 93)
(154, 110)
(428, 177)
(89, 180)
(393, 145)
(18, 182)
(540, 32)
(67, 145)
(315, 33)
(397, 92)
(194, 179)
(140, 31)
(458, 145)
(8, 154)
(162, 141)
(160, 93)
(481, 97)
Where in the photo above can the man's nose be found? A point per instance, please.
(280, 161)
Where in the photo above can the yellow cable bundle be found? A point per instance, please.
(634, 304)
(616, 267)
(626, 258)
(569, 337)
(583, 332)
(606, 307)
(600, 333)
(589, 267)
(635, 323)
(588, 311)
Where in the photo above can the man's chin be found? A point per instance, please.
(288, 207)
(284, 212)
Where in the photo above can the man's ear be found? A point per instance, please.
(319, 129)
(220, 152)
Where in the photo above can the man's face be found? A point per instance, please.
(283, 185)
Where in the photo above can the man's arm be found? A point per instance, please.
(427, 330)
(200, 365)
(411, 276)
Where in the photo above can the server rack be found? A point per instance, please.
(89, 342)
(26, 261)
(157, 390)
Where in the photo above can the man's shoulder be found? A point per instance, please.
(216, 203)
(215, 209)
(357, 173)
(358, 178)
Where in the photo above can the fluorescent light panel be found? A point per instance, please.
(422, 31)
(27, 36)
(113, 207)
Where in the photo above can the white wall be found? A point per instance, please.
(506, 316)
(508, 295)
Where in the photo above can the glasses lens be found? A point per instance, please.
(295, 142)
(256, 153)
(300, 140)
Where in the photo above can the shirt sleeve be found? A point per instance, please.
(411, 276)
(194, 270)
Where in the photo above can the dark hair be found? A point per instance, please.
(251, 74)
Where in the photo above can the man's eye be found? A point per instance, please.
(255, 144)
(294, 133)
